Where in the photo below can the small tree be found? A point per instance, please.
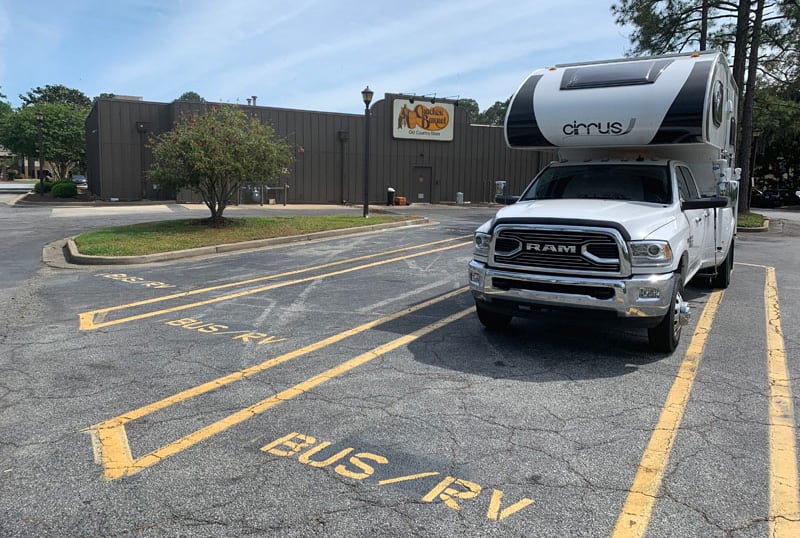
(191, 96)
(56, 93)
(63, 134)
(103, 95)
(5, 109)
(215, 152)
(495, 114)
(471, 106)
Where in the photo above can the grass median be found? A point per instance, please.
(171, 235)
(751, 220)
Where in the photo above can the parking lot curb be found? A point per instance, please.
(73, 255)
(754, 229)
(16, 201)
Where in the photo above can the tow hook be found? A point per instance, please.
(684, 313)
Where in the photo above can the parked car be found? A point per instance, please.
(759, 198)
(782, 197)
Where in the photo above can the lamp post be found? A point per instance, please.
(39, 123)
(754, 149)
(366, 94)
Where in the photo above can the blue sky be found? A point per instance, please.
(307, 54)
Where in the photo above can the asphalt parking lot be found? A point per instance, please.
(345, 387)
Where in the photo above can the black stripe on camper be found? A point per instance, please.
(683, 123)
(522, 129)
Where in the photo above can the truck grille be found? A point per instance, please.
(557, 249)
(598, 292)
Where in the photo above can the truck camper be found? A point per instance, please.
(641, 200)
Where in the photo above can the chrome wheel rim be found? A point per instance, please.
(676, 319)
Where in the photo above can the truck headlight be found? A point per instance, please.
(482, 242)
(651, 253)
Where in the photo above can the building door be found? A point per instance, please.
(423, 187)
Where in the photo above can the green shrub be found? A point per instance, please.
(12, 173)
(37, 188)
(64, 189)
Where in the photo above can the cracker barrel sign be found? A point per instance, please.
(422, 120)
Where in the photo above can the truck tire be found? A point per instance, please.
(492, 320)
(665, 336)
(724, 270)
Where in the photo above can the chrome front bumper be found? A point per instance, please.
(640, 296)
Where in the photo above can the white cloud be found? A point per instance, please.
(486, 68)
(311, 54)
(195, 41)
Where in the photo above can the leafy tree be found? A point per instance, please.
(18, 132)
(471, 106)
(191, 96)
(777, 100)
(57, 93)
(215, 152)
(5, 108)
(659, 27)
(764, 37)
(5, 111)
(777, 149)
(103, 95)
(782, 64)
(63, 137)
(495, 114)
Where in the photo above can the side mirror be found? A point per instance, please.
(705, 203)
(505, 199)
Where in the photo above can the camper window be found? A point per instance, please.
(717, 98)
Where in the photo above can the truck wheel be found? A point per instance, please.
(665, 336)
(724, 270)
(492, 320)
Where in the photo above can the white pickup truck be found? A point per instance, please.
(642, 200)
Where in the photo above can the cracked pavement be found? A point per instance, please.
(551, 411)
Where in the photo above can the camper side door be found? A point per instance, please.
(698, 219)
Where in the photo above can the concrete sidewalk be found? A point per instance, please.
(779, 214)
(17, 187)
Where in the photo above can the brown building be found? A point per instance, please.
(423, 148)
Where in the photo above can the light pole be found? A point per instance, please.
(754, 149)
(366, 94)
(39, 123)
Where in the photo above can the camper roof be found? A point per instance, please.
(626, 102)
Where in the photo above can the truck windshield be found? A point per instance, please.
(635, 182)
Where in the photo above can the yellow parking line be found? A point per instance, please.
(114, 451)
(270, 277)
(784, 504)
(247, 372)
(752, 265)
(88, 319)
(635, 514)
